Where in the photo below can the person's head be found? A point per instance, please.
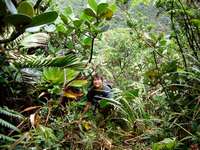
(97, 81)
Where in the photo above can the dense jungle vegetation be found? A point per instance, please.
(147, 50)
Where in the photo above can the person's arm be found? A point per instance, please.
(87, 106)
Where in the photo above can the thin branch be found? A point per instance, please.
(176, 37)
(92, 49)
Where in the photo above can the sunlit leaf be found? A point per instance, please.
(26, 9)
(86, 125)
(78, 83)
(167, 143)
(196, 22)
(64, 19)
(107, 15)
(69, 93)
(61, 28)
(89, 12)
(93, 4)
(102, 7)
(53, 75)
(113, 7)
(87, 41)
(67, 11)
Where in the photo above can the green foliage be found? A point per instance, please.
(155, 67)
(53, 75)
(6, 138)
(23, 18)
(26, 9)
(8, 125)
(18, 20)
(93, 4)
(166, 144)
(9, 113)
(33, 61)
(43, 18)
(130, 109)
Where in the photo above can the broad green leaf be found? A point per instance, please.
(103, 103)
(87, 41)
(113, 7)
(78, 83)
(107, 15)
(89, 12)
(196, 22)
(26, 9)
(93, 4)
(64, 19)
(44, 18)
(77, 23)
(67, 11)
(61, 28)
(85, 17)
(11, 6)
(18, 19)
(70, 74)
(53, 75)
(167, 144)
(102, 7)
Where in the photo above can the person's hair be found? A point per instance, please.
(97, 76)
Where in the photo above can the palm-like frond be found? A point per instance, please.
(35, 40)
(33, 61)
(8, 125)
(8, 112)
(6, 138)
(130, 109)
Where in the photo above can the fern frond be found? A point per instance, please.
(33, 61)
(6, 138)
(8, 125)
(15, 43)
(9, 112)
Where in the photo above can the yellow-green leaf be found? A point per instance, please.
(26, 9)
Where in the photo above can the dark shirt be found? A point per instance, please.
(95, 95)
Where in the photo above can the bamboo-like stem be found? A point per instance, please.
(176, 36)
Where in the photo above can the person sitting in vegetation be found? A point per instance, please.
(98, 92)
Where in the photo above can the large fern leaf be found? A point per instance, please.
(9, 112)
(8, 125)
(6, 138)
(33, 61)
